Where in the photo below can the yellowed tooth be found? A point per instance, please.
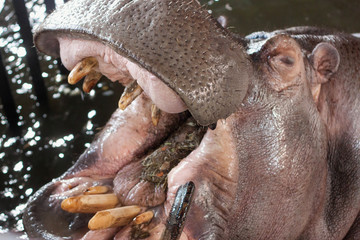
(129, 95)
(89, 203)
(143, 218)
(155, 114)
(82, 69)
(115, 217)
(91, 80)
(96, 190)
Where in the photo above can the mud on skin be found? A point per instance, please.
(281, 160)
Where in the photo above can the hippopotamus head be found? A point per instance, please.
(280, 159)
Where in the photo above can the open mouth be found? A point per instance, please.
(124, 186)
(182, 72)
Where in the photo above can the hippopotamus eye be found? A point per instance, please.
(284, 63)
(287, 60)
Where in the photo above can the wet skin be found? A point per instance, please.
(283, 159)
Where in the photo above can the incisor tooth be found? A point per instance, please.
(82, 69)
(96, 190)
(155, 114)
(89, 203)
(91, 80)
(115, 217)
(144, 217)
(129, 95)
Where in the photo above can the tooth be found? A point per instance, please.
(91, 80)
(89, 203)
(178, 212)
(96, 190)
(82, 69)
(129, 95)
(115, 217)
(155, 114)
(144, 217)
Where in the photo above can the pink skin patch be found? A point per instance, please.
(118, 68)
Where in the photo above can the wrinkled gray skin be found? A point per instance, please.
(291, 103)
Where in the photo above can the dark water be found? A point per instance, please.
(246, 16)
(52, 136)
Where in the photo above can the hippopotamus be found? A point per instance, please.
(217, 136)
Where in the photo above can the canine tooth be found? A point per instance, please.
(155, 114)
(96, 190)
(115, 217)
(179, 209)
(91, 80)
(129, 95)
(82, 69)
(144, 217)
(89, 203)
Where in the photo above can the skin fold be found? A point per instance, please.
(282, 161)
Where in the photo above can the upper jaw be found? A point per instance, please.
(115, 67)
(186, 49)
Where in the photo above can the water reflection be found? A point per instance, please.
(2, 5)
(52, 136)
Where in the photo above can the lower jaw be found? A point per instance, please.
(142, 182)
(137, 177)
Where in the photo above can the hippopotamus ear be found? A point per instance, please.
(325, 59)
(285, 60)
